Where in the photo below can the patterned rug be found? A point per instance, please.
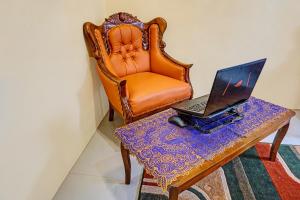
(246, 177)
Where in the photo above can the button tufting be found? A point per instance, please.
(130, 54)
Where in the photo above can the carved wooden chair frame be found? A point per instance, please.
(94, 51)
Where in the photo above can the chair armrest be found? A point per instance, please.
(163, 63)
(173, 60)
(115, 89)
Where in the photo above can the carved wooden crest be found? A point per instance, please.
(123, 18)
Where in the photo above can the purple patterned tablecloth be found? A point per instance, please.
(167, 151)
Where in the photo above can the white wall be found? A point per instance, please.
(51, 101)
(214, 34)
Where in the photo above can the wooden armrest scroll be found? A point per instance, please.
(121, 84)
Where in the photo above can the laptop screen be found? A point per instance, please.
(233, 85)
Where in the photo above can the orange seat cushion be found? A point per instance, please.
(149, 91)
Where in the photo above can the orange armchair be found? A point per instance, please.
(138, 76)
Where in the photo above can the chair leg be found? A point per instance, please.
(111, 113)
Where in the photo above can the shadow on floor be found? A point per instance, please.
(107, 128)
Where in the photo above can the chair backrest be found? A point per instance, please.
(121, 42)
(127, 54)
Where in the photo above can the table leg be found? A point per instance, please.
(127, 164)
(277, 141)
(173, 193)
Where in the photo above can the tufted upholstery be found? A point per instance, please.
(137, 82)
(127, 55)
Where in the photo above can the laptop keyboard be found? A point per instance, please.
(197, 107)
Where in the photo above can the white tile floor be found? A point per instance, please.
(99, 174)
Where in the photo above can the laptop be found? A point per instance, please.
(232, 86)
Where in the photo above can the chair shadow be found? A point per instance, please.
(116, 175)
(107, 128)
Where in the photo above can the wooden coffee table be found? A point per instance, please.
(197, 173)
